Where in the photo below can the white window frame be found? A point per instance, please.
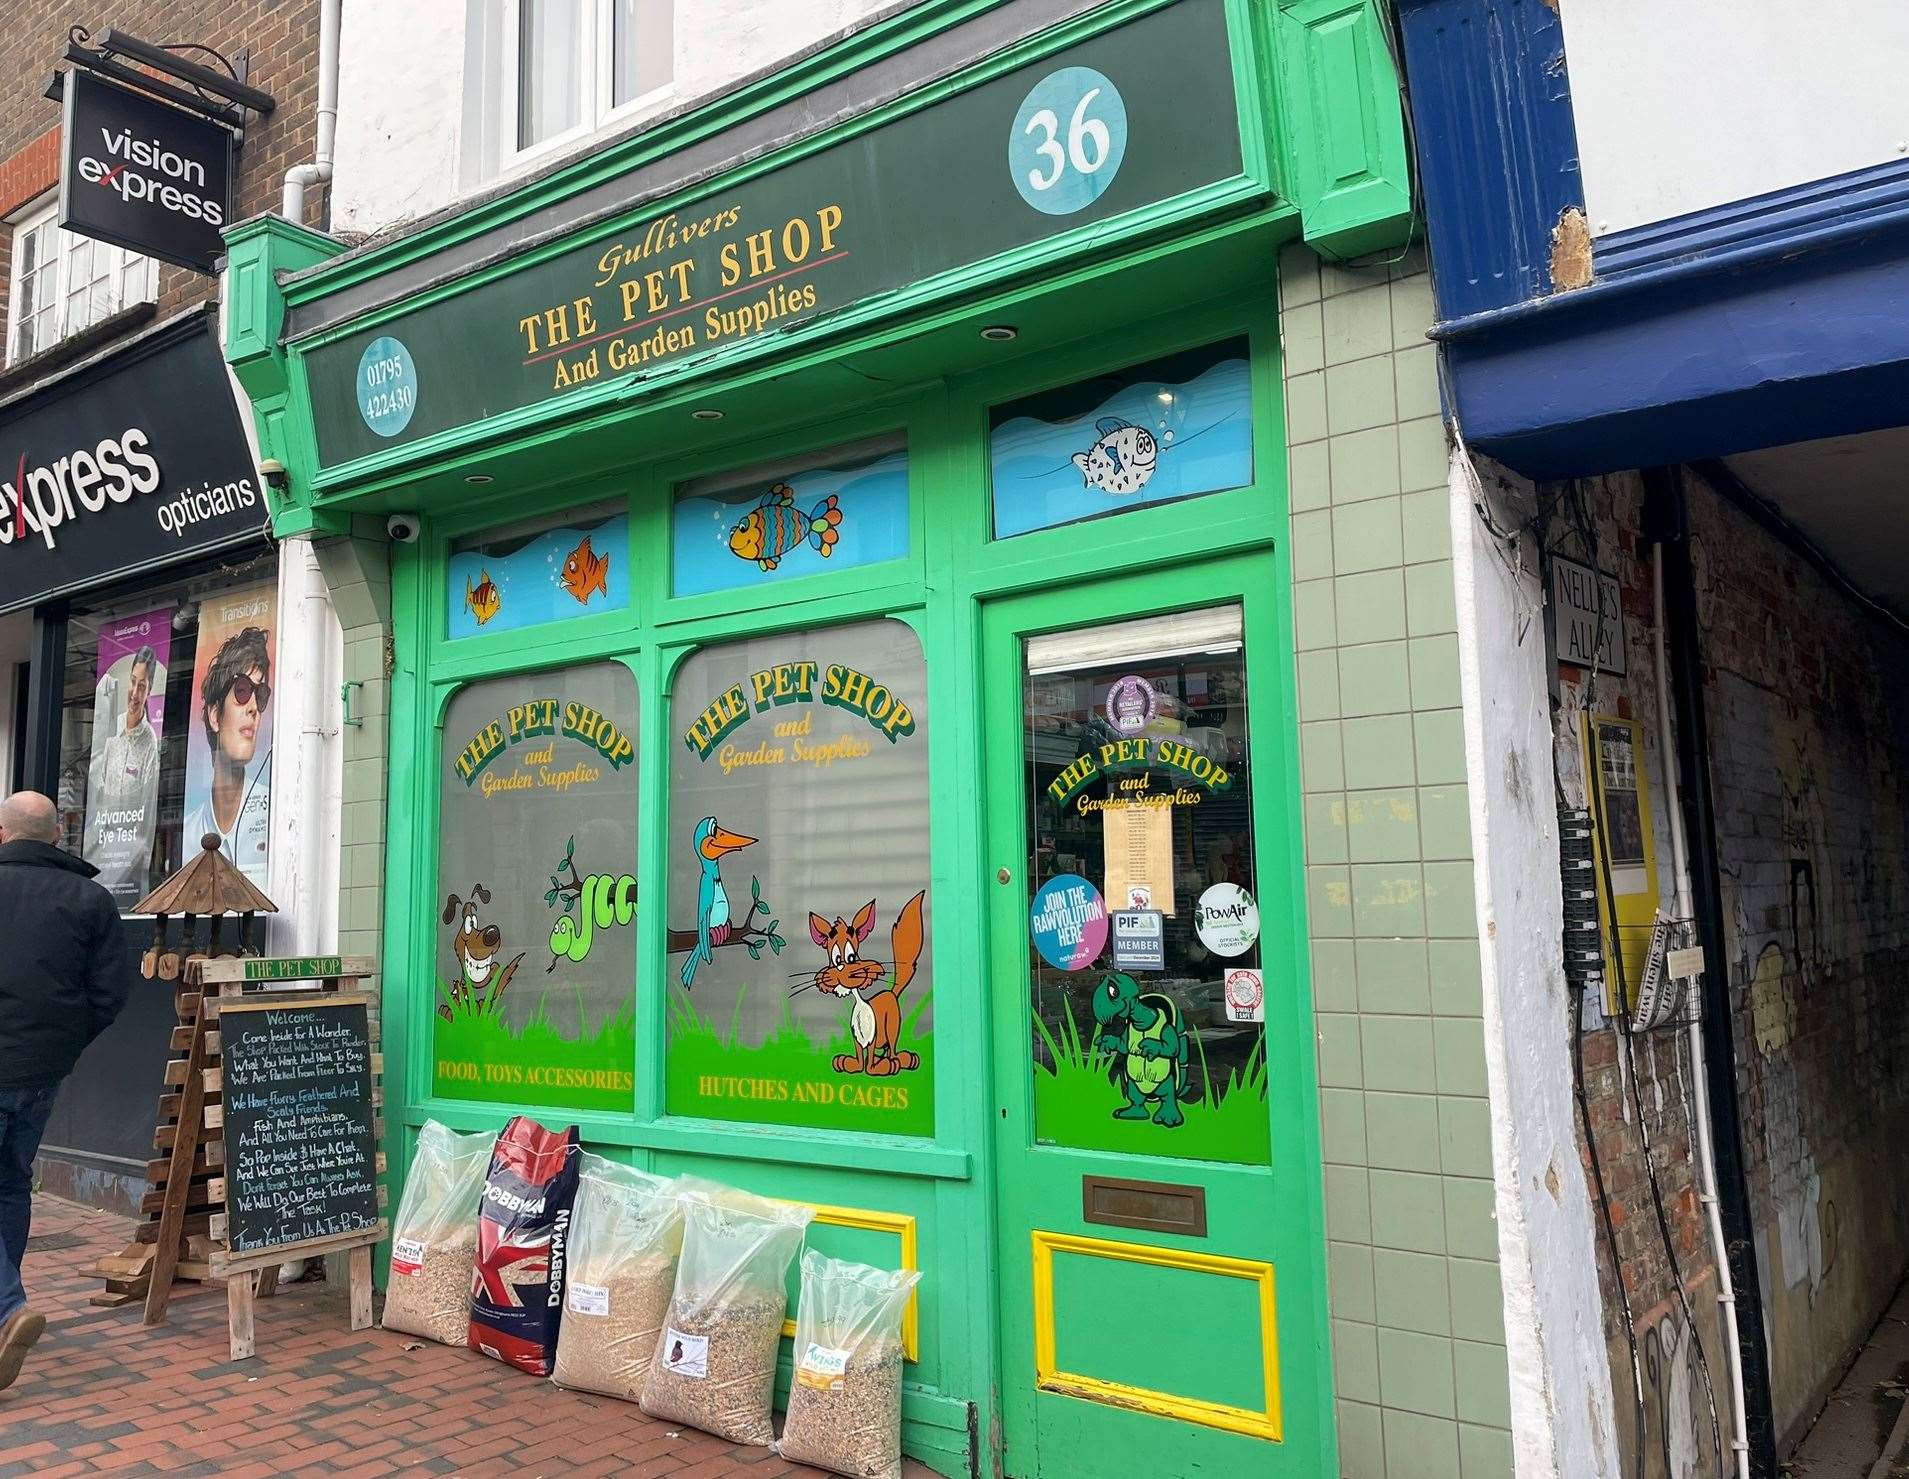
(43, 211)
(595, 79)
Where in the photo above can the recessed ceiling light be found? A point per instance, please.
(479, 479)
(707, 413)
(1000, 333)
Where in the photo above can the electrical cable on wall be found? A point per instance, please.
(1580, 522)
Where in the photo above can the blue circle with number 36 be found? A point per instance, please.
(387, 386)
(1068, 140)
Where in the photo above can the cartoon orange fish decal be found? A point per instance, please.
(585, 573)
(482, 599)
(775, 526)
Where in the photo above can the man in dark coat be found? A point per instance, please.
(63, 979)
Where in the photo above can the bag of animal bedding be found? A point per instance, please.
(715, 1366)
(434, 1241)
(624, 1241)
(523, 1236)
(845, 1399)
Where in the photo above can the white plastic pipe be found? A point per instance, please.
(301, 176)
(1700, 1086)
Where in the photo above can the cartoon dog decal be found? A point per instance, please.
(475, 946)
(874, 1020)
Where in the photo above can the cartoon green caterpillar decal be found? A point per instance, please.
(597, 902)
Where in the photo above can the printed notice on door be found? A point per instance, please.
(1139, 843)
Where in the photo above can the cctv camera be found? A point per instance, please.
(403, 528)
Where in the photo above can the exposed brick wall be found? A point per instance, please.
(1678, 1438)
(281, 37)
(1807, 746)
(1809, 729)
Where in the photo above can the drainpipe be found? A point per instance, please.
(1715, 1070)
(318, 172)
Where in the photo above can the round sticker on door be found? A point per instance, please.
(387, 386)
(1227, 920)
(1069, 922)
(1245, 996)
(1131, 704)
(1068, 140)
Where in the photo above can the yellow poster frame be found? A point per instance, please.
(1635, 910)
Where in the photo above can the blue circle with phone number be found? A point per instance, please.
(1068, 140)
(387, 386)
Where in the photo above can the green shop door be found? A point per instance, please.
(1161, 1250)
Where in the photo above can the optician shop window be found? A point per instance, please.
(166, 725)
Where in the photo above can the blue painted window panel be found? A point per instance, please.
(768, 525)
(1169, 429)
(506, 579)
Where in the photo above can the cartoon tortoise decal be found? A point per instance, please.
(1144, 1033)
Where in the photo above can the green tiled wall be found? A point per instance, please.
(1412, 1244)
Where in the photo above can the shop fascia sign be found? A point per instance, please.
(1138, 115)
(122, 470)
(142, 174)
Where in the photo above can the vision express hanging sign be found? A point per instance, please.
(1137, 115)
(143, 174)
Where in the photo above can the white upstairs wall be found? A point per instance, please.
(411, 129)
(1687, 106)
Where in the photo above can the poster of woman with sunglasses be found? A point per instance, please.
(229, 748)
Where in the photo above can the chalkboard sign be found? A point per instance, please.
(300, 1154)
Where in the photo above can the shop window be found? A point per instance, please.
(777, 522)
(166, 728)
(63, 283)
(548, 570)
(800, 976)
(534, 917)
(1148, 989)
(1156, 432)
(547, 72)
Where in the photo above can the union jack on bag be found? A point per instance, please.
(523, 1226)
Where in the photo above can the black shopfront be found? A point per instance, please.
(134, 561)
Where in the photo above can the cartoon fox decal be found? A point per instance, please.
(874, 1020)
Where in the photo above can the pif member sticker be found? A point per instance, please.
(821, 1367)
(685, 1355)
(1245, 996)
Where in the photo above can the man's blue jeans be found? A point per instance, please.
(23, 1117)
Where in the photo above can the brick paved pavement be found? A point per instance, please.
(103, 1394)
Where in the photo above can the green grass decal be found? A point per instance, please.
(1075, 1100)
(789, 1080)
(477, 1056)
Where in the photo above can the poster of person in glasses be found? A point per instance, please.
(122, 787)
(229, 748)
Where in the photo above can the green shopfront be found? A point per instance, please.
(841, 721)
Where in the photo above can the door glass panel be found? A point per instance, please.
(1147, 1031)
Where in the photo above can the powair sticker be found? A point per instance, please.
(1245, 996)
(1227, 920)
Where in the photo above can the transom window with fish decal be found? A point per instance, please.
(527, 574)
(778, 521)
(1171, 428)
(800, 979)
